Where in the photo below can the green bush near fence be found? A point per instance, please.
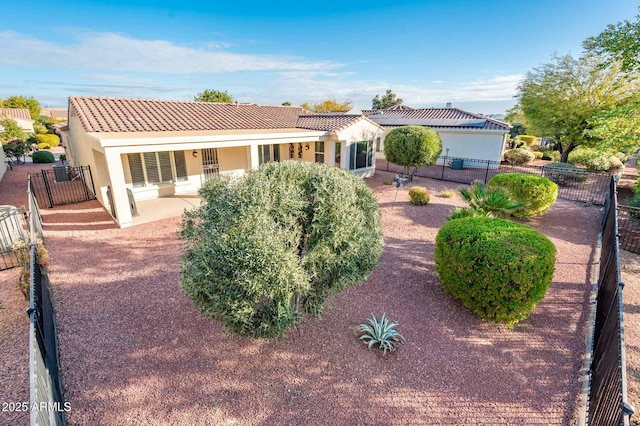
(565, 173)
(49, 139)
(497, 268)
(536, 194)
(43, 157)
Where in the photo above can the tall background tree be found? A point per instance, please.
(618, 43)
(328, 105)
(29, 103)
(387, 100)
(559, 98)
(210, 95)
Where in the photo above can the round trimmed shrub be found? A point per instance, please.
(419, 196)
(266, 248)
(536, 194)
(50, 139)
(44, 146)
(412, 146)
(527, 139)
(519, 156)
(497, 268)
(42, 157)
(564, 173)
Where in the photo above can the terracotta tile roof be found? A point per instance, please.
(436, 118)
(98, 114)
(15, 113)
(328, 122)
(54, 112)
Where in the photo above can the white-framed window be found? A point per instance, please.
(154, 168)
(319, 152)
(361, 155)
(268, 153)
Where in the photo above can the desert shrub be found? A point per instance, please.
(514, 143)
(528, 140)
(42, 157)
(555, 156)
(266, 248)
(536, 194)
(518, 156)
(564, 173)
(449, 193)
(15, 148)
(387, 181)
(44, 146)
(595, 160)
(63, 157)
(541, 148)
(537, 155)
(412, 146)
(52, 140)
(40, 129)
(419, 196)
(498, 268)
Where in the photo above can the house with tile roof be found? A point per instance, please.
(464, 134)
(156, 148)
(20, 115)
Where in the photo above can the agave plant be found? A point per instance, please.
(485, 202)
(380, 332)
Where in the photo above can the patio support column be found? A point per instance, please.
(118, 188)
(253, 156)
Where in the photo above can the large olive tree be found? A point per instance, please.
(412, 146)
(263, 250)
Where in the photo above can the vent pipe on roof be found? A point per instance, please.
(448, 105)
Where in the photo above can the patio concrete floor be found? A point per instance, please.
(165, 207)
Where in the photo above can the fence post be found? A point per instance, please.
(443, 163)
(486, 175)
(47, 188)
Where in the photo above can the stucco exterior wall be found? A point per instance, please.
(361, 131)
(3, 163)
(479, 146)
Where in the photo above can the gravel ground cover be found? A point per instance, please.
(134, 350)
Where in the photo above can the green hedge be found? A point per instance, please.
(498, 268)
(529, 140)
(42, 157)
(537, 194)
(44, 146)
(51, 140)
(595, 160)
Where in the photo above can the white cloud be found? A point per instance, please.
(115, 52)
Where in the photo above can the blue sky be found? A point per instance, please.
(470, 53)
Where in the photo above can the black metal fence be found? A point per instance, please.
(580, 185)
(11, 232)
(63, 185)
(629, 227)
(47, 398)
(607, 402)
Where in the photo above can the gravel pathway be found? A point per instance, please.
(134, 350)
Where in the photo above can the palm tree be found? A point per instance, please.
(484, 202)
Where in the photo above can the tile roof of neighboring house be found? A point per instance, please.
(98, 114)
(54, 112)
(436, 118)
(328, 122)
(15, 113)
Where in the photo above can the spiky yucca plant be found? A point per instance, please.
(487, 202)
(381, 332)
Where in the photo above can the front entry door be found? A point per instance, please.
(210, 163)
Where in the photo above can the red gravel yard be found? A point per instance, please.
(134, 349)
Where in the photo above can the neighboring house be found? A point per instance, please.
(20, 115)
(59, 114)
(463, 134)
(159, 148)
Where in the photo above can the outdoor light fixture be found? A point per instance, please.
(306, 147)
(195, 153)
